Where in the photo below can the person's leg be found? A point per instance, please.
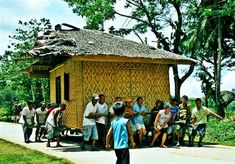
(194, 133)
(30, 130)
(118, 153)
(25, 132)
(94, 136)
(37, 132)
(202, 132)
(163, 140)
(58, 139)
(140, 131)
(86, 135)
(154, 138)
(125, 156)
(178, 133)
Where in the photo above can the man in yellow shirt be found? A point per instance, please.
(199, 120)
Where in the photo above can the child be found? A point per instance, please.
(120, 127)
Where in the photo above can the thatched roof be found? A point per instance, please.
(82, 42)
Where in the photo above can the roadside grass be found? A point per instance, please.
(14, 153)
(220, 132)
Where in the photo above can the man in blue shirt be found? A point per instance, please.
(139, 113)
(121, 130)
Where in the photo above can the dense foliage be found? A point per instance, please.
(16, 88)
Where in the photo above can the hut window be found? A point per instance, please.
(58, 89)
(66, 86)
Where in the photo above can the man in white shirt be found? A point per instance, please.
(160, 125)
(54, 123)
(41, 120)
(28, 121)
(102, 109)
(89, 124)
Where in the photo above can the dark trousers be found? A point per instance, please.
(123, 156)
(27, 132)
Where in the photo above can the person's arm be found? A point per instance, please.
(173, 118)
(143, 112)
(130, 134)
(32, 118)
(37, 117)
(215, 115)
(164, 124)
(108, 136)
(24, 117)
(188, 114)
(156, 121)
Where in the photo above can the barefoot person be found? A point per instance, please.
(199, 120)
(120, 128)
(53, 124)
(163, 117)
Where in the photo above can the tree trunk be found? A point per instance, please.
(43, 90)
(218, 72)
(33, 91)
(178, 81)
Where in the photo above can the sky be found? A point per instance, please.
(57, 11)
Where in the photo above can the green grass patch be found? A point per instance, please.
(14, 153)
(221, 132)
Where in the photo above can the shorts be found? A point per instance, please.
(52, 131)
(101, 129)
(201, 128)
(90, 131)
(133, 129)
(164, 130)
(139, 126)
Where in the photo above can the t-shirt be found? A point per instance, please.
(103, 109)
(41, 115)
(200, 115)
(139, 119)
(164, 117)
(50, 118)
(28, 114)
(120, 134)
(183, 110)
(90, 108)
(173, 111)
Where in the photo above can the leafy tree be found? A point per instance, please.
(211, 32)
(15, 86)
(147, 15)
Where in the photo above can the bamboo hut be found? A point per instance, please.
(82, 62)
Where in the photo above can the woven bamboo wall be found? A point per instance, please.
(150, 81)
(73, 114)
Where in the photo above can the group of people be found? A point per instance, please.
(46, 119)
(127, 122)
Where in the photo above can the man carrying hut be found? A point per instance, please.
(199, 120)
(102, 110)
(139, 113)
(89, 122)
(41, 120)
(53, 125)
(27, 120)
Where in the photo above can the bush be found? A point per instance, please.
(221, 132)
(5, 114)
